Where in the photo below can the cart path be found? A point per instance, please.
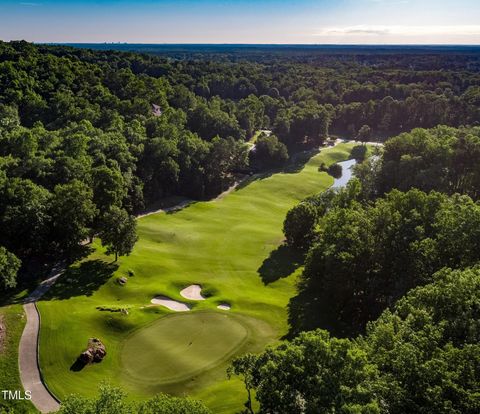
(28, 365)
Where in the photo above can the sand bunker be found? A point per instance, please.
(224, 306)
(192, 292)
(170, 303)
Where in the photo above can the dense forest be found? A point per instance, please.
(390, 289)
(386, 317)
(113, 132)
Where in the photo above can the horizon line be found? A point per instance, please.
(255, 44)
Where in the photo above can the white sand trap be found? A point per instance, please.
(192, 292)
(224, 306)
(170, 303)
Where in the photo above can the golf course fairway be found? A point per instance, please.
(230, 247)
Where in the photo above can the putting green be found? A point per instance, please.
(180, 346)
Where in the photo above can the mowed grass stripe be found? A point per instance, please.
(218, 244)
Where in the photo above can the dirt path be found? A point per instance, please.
(30, 374)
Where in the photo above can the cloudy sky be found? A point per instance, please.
(243, 21)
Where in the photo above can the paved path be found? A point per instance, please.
(30, 374)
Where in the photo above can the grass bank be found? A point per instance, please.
(12, 322)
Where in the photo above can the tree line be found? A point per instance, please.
(385, 320)
(104, 130)
(327, 92)
(420, 356)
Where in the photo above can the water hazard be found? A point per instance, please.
(347, 172)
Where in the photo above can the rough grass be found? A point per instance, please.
(223, 245)
(13, 320)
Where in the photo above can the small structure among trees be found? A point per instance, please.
(95, 352)
(156, 110)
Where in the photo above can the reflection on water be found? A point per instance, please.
(346, 173)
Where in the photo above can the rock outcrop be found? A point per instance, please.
(95, 352)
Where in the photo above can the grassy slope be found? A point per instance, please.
(14, 321)
(219, 244)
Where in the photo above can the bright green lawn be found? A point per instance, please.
(185, 345)
(218, 244)
(13, 320)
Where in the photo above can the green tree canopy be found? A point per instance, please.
(119, 232)
(9, 266)
(111, 400)
(72, 212)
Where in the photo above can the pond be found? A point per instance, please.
(346, 173)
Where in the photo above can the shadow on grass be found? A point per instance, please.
(117, 323)
(295, 164)
(299, 160)
(81, 252)
(181, 207)
(316, 308)
(78, 365)
(281, 263)
(80, 280)
(304, 313)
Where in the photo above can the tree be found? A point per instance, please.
(244, 366)
(9, 266)
(269, 151)
(166, 404)
(299, 225)
(108, 188)
(427, 347)
(367, 256)
(224, 157)
(420, 356)
(112, 400)
(335, 170)
(72, 211)
(364, 134)
(442, 159)
(9, 118)
(310, 122)
(24, 217)
(119, 232)
(314, 373)
(359, 152)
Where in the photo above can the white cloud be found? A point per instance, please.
(379, 30)
(390, 2)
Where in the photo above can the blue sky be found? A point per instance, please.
(243, 21)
